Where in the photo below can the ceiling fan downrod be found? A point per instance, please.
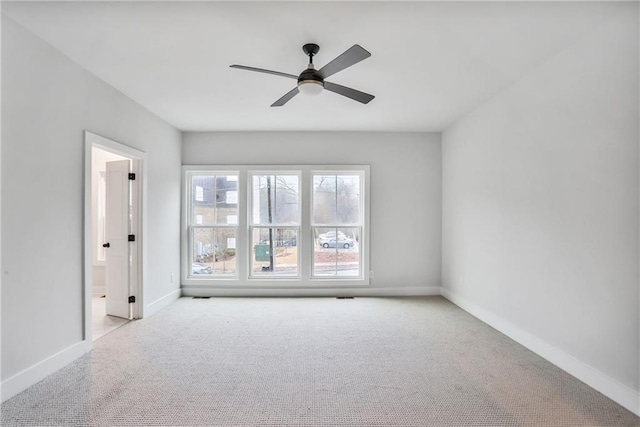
(310, 49)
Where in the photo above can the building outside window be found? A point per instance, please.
(213, 225)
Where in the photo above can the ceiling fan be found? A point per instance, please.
(312, 81)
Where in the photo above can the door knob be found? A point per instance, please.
(106, 245)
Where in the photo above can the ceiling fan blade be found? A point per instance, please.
(261, 70)
(353, 55)
(280, 102)
(356, 95)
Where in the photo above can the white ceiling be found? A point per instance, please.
(431, 63)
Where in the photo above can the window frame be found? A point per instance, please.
(190, 223)
(336, 225)
(305, 239)
(275, 225)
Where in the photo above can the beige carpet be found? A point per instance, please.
(311, 362)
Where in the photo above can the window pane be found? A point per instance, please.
(215, 199)
(203, 251)
(348, 197)
(214, 251)
(324, 199)
(275, 252)
(226, 199)
(336, 199)
(225, 254)
(336, 252)
(275, 199)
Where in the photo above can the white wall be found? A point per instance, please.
(405, 191)
(47, 103)
(540, 209)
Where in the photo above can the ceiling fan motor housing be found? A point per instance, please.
(310, 75)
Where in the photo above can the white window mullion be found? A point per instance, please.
(365, 191)
(305, 243)
(243, 244)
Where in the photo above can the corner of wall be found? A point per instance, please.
(616, 391)
(162, 302)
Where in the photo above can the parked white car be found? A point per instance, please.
(201, 269)
(345, 243)
(332, 235)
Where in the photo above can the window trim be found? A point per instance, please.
(336, 225)
(251, 226)
(190, 224)
(305, 279)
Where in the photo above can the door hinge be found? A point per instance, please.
(132, 299)
(132, 176)
(132, 237)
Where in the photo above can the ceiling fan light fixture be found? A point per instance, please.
(310, 87)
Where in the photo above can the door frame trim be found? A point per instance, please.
(139, 195)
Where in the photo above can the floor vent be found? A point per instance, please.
(201, 297)
(344, 297)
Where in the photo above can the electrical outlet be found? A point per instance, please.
(371, 274)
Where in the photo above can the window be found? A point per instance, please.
(294, 226)
(213, 225)
(336, 224)
(275, 224)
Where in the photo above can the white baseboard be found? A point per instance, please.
(161, 303)
(200, 291)
(36, 373)
(613, 389)
(32, 375)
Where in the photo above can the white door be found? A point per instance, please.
(117, 238)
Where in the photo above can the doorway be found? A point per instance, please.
(113, 235)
